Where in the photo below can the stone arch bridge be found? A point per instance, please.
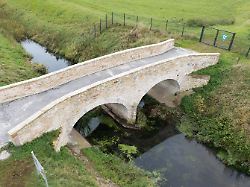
(58, 100)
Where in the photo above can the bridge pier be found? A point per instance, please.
(63, 137)
(127, 113)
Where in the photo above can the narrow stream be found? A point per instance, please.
(41, 56)
(182, 162)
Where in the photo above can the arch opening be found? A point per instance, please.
(151, 104)
(166, 92)
(94, 119)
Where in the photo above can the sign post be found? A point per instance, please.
(39, 168)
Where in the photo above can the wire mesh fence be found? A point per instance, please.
(177, 28)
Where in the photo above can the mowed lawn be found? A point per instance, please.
(79, 11)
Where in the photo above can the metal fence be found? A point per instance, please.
(217, 38)
(225, 40)
(178, 28)
(171, 26)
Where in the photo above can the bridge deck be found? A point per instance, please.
(14, 112)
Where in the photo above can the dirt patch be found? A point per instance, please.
(16, 175)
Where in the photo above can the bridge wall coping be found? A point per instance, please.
(54, 79)
(204, 59)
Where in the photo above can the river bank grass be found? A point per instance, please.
(113, 168)
(14, 62)
(218, 114)
(64, 169)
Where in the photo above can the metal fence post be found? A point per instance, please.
(124, 19)
(167, 25)
(216, 37)
(151, 23)
(231, 43)
(100, 25)
(95, 30)
(183, 29)
(137, 19)
(248, 52)
(112, 19)
(106, 21)
(202, 33)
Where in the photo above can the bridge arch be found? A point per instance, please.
(165, 91)
(68, 127)
(88, 123)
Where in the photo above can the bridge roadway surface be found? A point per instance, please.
(14, 112)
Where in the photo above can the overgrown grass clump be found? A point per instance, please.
(117, 170)
(14, 63)
(203, 22)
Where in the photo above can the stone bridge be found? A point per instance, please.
(58, 100)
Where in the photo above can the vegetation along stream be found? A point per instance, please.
(157, 146)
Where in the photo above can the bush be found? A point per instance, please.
(197, 22)
(40, 68)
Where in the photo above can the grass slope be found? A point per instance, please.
(218, 114)
(14, 63)
(62, 169)
(115, 169)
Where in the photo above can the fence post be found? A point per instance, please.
(167, 25)
(151, 23)
(137, 19)
(112, 19)
(95, 30)
(183, 29)
(124, 19)
(100, 25)
(231, 43)
(106, 21)
(248, 52)
(202, 32)
(216, 37)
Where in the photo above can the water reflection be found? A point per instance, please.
(41, 56)
(92, 125)
(186, 163)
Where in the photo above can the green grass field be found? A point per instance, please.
(64, 23)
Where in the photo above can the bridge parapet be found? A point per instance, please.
(51, 80)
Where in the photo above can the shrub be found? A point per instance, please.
(197, 22)
(40, 68)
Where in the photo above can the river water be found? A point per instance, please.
(187, 163)
(41, 56)
(182, 162)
